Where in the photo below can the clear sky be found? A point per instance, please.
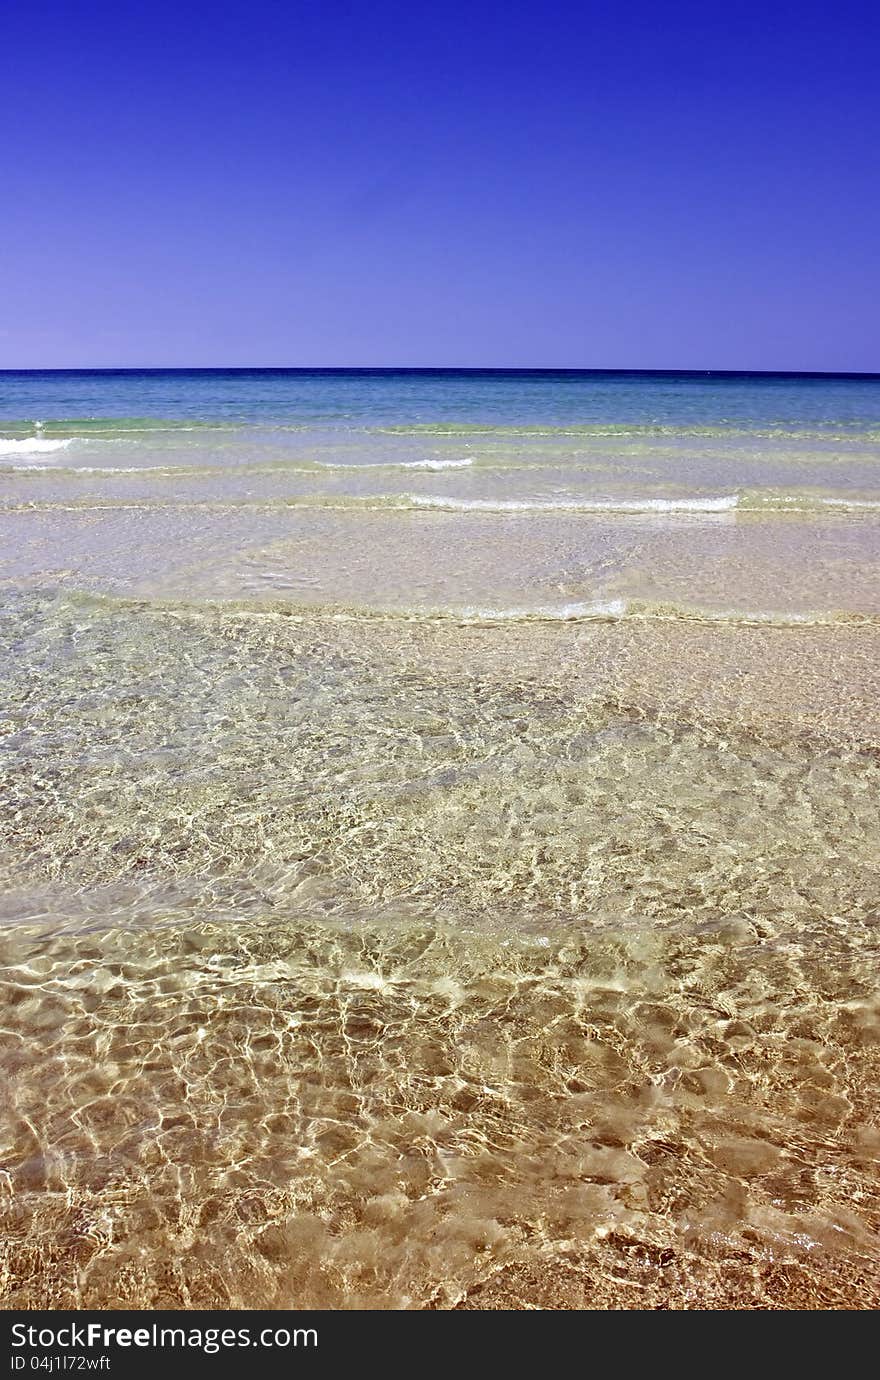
(643, 185)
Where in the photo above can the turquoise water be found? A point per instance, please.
(443, 493)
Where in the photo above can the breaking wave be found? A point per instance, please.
(31, 445)
(585, 505)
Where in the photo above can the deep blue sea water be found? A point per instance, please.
(504, 397)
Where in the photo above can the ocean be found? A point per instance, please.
(440, 855)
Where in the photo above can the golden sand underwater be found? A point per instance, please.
(426, 965)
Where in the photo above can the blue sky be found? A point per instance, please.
(595, 185)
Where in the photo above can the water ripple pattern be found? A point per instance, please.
(469, 902)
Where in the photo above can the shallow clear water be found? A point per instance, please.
(433, 884)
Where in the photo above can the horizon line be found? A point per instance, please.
(436, 369)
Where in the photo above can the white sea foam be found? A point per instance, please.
(637, 609)
(31, 445)
(146, 470)
(398, 465)
(852, 502)
(435, 464)
(634, 505)
(610, 608)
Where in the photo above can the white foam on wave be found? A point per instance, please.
(634, 505)
(852, 502)
(397, 465)
(31, 445)
(613, 609)
(435, 464)
(609, 608)
(104, 469)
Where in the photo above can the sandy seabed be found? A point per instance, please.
(400, 964)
